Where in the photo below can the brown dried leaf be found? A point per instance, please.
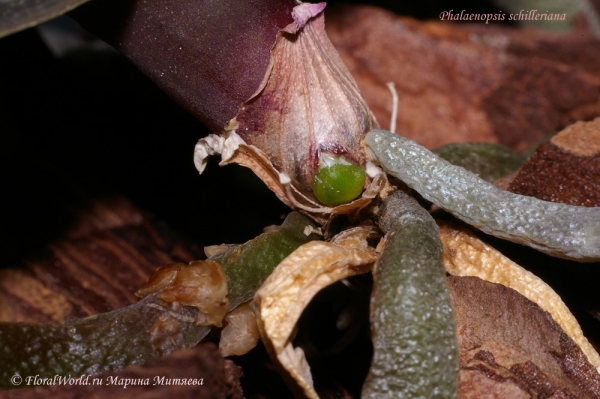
(105, 214)
(581, 138)
(284, 295)
(511, 348)
(110, 252)
(24, 287)
(467, 255)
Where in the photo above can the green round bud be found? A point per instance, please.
(337, 181)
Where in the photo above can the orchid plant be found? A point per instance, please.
(301, 125)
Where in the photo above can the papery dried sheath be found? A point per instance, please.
(308, 102)
(285, 294)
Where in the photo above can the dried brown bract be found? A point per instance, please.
(202, 284)
(240, 334)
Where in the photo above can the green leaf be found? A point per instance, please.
(489, 161)
(415, 349)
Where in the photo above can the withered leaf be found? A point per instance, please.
(241, 333)
(284, 295)
(467, 255)
(110, 252)
(201, 284)
(511, 348)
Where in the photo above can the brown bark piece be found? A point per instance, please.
(116, 251)
(580, 138)
(567, 169)
(509, 347)
(468, 82)
(220, 380)
(105, 214)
